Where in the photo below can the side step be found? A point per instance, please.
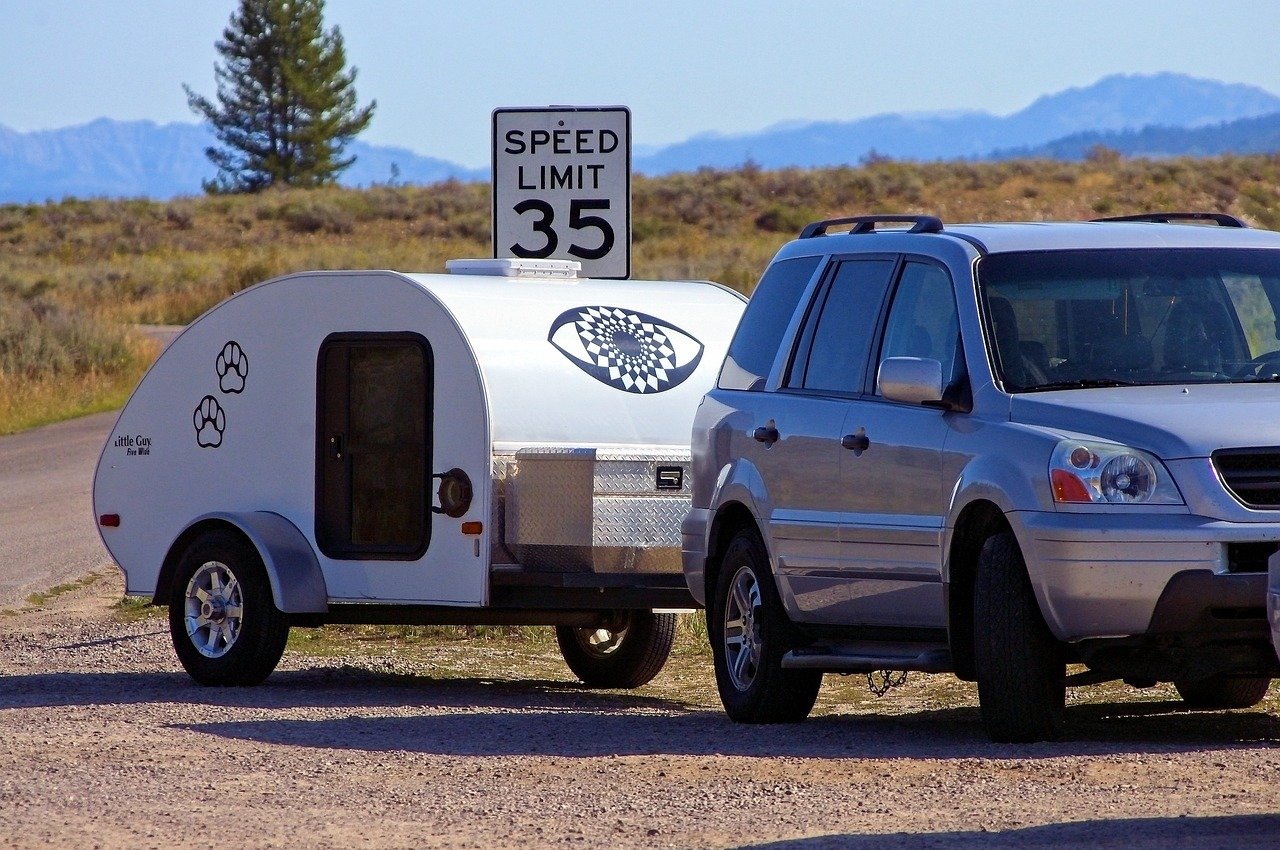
(870, 656)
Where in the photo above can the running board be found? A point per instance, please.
(870, 656)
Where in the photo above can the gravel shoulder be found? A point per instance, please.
(104, 742)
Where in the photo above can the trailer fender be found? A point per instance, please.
(297, 583)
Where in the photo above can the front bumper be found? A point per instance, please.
(1106, 575)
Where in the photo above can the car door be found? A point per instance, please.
(891, 468)
(803, 424)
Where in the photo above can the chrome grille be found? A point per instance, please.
(1252, 475)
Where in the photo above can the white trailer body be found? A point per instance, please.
(315, 415)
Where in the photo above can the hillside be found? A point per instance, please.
(74, 275)
(1245, 136)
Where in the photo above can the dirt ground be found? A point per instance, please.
(104, 742)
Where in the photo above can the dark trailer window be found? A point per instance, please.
(373, 458)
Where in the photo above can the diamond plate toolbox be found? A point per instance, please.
(597, 509)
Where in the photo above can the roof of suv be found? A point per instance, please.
(1059, 235)
(1151, 230)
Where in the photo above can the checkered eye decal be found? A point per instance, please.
(629, 351)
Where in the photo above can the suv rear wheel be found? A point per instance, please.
(750, 633)
(1020, 666)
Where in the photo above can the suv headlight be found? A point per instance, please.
(1084, 472)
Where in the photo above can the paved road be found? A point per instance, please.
(47, 533)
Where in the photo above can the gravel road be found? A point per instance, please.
(104, 742)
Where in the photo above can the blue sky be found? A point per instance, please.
(438, 69)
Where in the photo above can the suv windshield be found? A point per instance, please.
(1069, 319)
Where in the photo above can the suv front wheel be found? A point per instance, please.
(750, 633)
(1020, 667)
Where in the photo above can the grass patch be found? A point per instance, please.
(134, 609)
(530, 655)
(346, 640)
(60, 362)
(26, 403)
(45, 597)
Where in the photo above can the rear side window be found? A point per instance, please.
(842, 336)
(755, 345)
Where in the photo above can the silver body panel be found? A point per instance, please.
(862, 539)
(596, 509)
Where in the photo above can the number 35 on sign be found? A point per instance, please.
(562, 186)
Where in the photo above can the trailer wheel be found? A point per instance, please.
(225, 626)
(627, 656)
(750, 632)
(1020, 667)
(1222, 691)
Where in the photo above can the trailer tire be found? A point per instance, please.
(1222, 691)
(750, 633)
(1020, 666)
(223, 621)
(627, 656)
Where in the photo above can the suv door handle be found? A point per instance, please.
(766, 434)
(856, 442)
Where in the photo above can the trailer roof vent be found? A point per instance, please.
(513, 267)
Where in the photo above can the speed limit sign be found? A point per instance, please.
(562, 186)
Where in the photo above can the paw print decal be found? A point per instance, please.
(629, 351)
(210, 422)
(233, 368)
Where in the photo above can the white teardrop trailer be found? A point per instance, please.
(506, 444)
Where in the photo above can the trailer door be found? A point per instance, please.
(373, 446)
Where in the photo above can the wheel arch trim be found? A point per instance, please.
(297, 581)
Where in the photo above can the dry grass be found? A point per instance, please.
(111, 263)
(59, 363)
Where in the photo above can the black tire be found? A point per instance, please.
(217, 574)
(627, 656)
(1222, 691)
(1020, 666)
(749, 633)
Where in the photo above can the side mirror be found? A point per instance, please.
(914, 380)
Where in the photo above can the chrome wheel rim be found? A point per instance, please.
(214, 609)
(742, 644)
(600, 642)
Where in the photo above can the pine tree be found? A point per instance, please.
(286, 106)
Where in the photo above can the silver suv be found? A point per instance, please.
(996, 450)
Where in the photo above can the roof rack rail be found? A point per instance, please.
(1220, 219)
(867, 224)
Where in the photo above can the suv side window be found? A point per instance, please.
(755, 344)
(842, 334)
(922, 318)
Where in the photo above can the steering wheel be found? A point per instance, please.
(1263, 364)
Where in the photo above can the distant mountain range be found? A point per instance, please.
(1138, 115)
(144, 159)
(1118, 103)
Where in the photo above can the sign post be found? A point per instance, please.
(562, 186)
